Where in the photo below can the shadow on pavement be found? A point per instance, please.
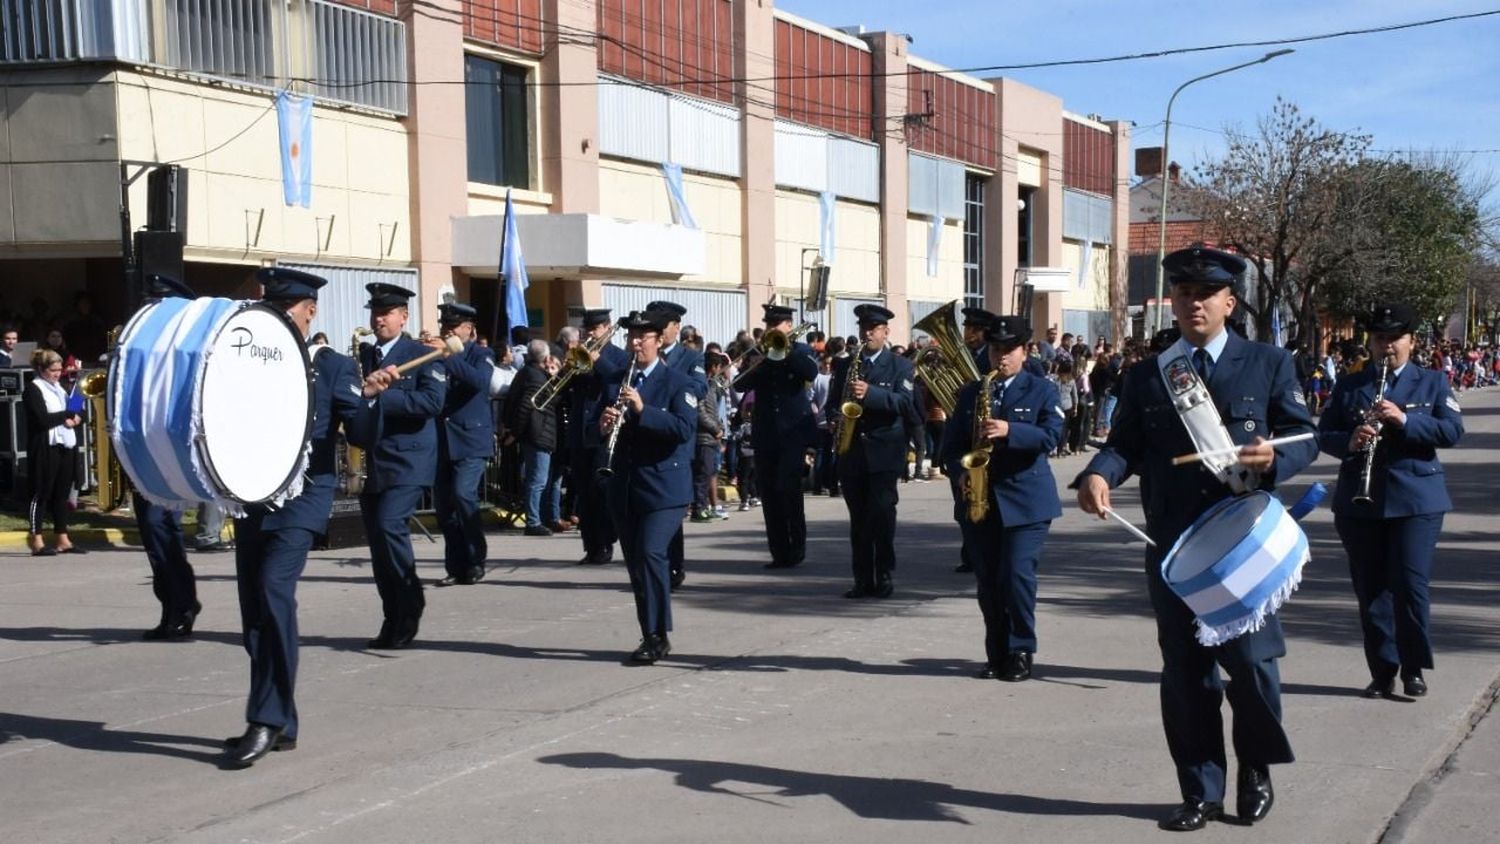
(95, 735)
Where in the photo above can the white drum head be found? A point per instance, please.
(256, 404)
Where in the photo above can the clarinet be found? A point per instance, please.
(614, 430)
(1363, 498)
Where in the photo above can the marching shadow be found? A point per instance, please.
(877, 798)
(95, 735)
(110, 636)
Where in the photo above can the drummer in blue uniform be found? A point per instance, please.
(1254, 389)
(466, 441)
(1024, 425)
(271, 543)
(584, 442)
(401, 463)
(1391, 537)
(689, 362)
(782, 428)
(651, 482)
(977, 321)
(876, 458)
(172, 579)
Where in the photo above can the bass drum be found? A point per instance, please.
(210, 401)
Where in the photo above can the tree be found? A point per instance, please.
(1278, 198)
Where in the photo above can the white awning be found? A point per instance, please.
(576, 246)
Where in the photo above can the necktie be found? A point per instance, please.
(375, 357)
(998, 398)
(1203, 364)
(636, 379)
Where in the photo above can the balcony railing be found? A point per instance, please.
(348, 55)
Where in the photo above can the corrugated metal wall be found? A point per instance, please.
(813, 160)
(1087, 216)
(961, 121)
(717, 314)
(934, 186)
(654, 126)
(704, 136)
(854, 169)
(518, 24)
(844, 322)
(633, 122)
(823, 82)
(341, 304)
(920, 310)
(685, 44)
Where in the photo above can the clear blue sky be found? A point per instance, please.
(1434, 88)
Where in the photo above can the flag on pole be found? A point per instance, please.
(1276, 324)
(294, 118)
(513, 280)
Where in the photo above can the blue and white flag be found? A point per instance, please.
(827, 206)
(1086, 264)
(513, 271)
(681, 214)
(294, 118)
(934, 245)
(1276, 324)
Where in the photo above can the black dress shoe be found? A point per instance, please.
(383, 639)
(1380, 688)
(1254, 798)
(663, 646)
(282, 743)
(1413, 684)
(884, 588)
(647, 653)
(257, 741)
(677, 576)
(475, 574)
(989, 672)
(402, 633)
(538, 530)
(177, 625)
(1192, 815)
(1017, 667)
(859, 591)
(450, 580)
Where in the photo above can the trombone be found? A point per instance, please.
(578, 360)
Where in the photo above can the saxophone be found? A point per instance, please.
(849, 411)
(976, 463)
(354, 456)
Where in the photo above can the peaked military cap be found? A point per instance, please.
(384, 295)
(1203, 265)
(595, 316)
(871, 315)
(283, 284)
(1393, 318)
(978, 317)
(647, 320)
(1007, 331)
(674, 311)
(777, 313)
(165, 287)
(455, 313)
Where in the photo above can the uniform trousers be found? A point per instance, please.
(1005, 568)
(456, 498)
(644, 538)
(1192, 693)
(267, 565)
(594, 523)
(172, 579)
(392, 560)
(967, 550)
(871, 500)
(1390, 565)
(778, 476)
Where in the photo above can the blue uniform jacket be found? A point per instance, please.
(783, 416)
(880, 435)
(1407, 479)
(1022, 489)
(689, 362)
(336, 402)
(1254, 386)
(468, 425)
(653, 461)
(582, 396)
(406, 453)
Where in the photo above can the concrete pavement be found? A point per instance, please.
(784, 713)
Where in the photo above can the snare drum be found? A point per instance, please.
(1236, 565)
(210, 401)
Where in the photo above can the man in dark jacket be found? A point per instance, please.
(536, 431)
(466, 439)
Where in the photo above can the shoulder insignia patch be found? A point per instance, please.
(692, 400)
(1298, 398)
(1453, 405)
(439, 374)
(699, 369)
(907, 384)
(356, 389)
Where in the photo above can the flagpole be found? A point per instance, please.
(501, 294)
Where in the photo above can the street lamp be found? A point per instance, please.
(1166, 161)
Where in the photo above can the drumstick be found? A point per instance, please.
(1203, 455)
(451, 346)
(1140, 534)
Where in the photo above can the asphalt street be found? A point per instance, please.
(784, 713)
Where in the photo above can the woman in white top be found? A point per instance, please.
(50, 445)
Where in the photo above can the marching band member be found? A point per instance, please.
(977, 322)
(1254, 390)
(876, 457)
(783, 428)
(584, 443)
(401, 462)
(1023, 425)
(651, 484)
(271, 544)
(1390, 538)
(689, 362)
(466, 441)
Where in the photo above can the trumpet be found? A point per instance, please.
(849, 411)
(578, 360)
(976, 463)
(1362, 498)
(774, 345)
(614, 430)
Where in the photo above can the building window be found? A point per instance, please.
(499, 129)
(1023, 227)
(973, 241)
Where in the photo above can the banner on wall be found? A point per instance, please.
(934, 245)
(681, 214)
(827, 204)
(294, 118)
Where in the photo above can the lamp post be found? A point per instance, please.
(1166, 161)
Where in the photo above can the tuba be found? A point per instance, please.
(976, 481)
(946, 366)
(579, 359)
(850, 410)
(354, 456)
